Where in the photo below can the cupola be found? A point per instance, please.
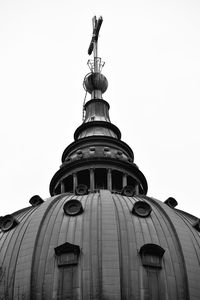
(97, 159)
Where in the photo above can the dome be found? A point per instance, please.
(106, 251)
(99, 235)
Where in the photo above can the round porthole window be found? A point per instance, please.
(73, 207)
(141, 209)
(36, 200)
(8, 222)
(81, 189)
(171, 202)
(128, 191)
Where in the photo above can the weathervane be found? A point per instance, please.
(95, 65)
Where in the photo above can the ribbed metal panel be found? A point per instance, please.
(10, 245)
(97, 110)
(91, 131)
(109, 265)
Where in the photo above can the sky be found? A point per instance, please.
(152, 55)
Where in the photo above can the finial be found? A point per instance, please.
(95, 65)
(94, 83)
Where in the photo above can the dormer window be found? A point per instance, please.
(151, 255)
(67, 254)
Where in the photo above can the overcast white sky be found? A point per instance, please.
(152, 54)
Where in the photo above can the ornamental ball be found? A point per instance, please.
(95, 81)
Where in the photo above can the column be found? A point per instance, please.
(75, 182)
(109, 179)
(92, 180)
(62, 187)
(137, 189)
(124, 180)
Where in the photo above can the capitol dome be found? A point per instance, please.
(99, 235)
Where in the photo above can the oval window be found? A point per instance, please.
(73, 207)
(8, 222)
(81, 189)
(141, 209)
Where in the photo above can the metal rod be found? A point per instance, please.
(95, 57)
(94, 23)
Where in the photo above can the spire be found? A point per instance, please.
(97, 158)
(96, 120)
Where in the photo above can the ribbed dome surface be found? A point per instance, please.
(109, 265)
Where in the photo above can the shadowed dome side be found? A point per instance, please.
(110, 238)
